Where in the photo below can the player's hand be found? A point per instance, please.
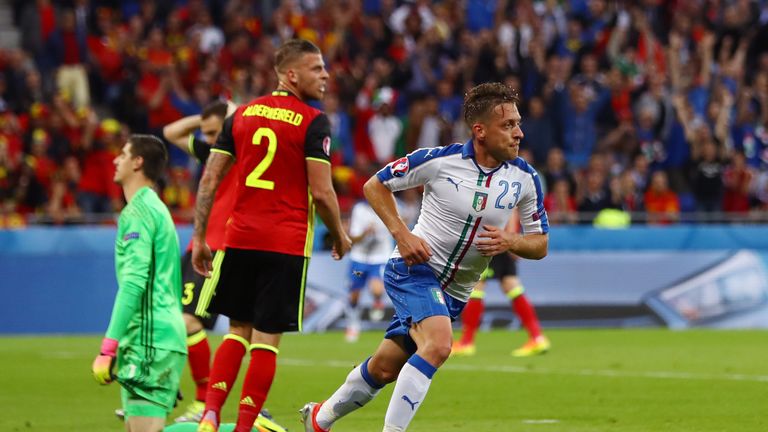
(105, 362)
(202, 258)
(341, 246)
(231, 108)
(413, 248)
(495, 241)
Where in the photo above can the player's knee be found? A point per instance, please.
(384, 374)
(192, 323)
(436, 352)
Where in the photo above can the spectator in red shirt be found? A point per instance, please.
(737, 179)
(661, 202)
(97, 192)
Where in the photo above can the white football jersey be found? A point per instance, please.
(459, 198)
(375, 248)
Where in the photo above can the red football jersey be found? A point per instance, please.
(222, 202)
(272, 137)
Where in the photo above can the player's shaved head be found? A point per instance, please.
(291, 51)
(481, 100)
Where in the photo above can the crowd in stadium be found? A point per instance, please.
(657, 109)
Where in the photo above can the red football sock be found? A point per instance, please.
(258, 380)
(470, 320)
(226, 365)
(199, 362)
(527, 315)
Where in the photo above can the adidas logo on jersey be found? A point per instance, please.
(247, 401)
(221, 385)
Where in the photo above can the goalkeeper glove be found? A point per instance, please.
(102, 365)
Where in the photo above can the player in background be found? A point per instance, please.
(283, 171)
(197, 290)
(371, 247)
(146, 332)
(469, 191)
(504, 268)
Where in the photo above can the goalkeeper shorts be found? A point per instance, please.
(150, 380)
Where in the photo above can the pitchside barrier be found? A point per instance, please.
(61, 280)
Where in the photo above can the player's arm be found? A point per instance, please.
(530, 246)
(358, 230)
(416, 169)
(413, 249)
(219, 163)
(134, 267)
(178, 132)
(531, 216)
(317, 154)
(327, 205)
(360, 237)
(495, 241)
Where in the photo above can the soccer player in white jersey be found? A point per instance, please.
(469, 192)
(371, 248)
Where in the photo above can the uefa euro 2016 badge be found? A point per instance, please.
(400, 167)
(481, 199)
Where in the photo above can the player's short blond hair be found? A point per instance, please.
(291, 51)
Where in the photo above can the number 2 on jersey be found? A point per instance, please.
(254, 178)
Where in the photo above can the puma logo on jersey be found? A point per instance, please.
(454, 182)
(410, 402)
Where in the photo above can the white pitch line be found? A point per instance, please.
(583, 372)
(541, 421)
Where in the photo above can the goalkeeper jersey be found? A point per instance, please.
(147, 310)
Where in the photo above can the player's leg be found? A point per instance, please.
(258, 378)
(196, 295)
(149, 387)
(360, 387)
(471, 318)
(376, 287)
(234, 298)
(226, 366)
(145, 424)
(433, 337)
(276, 307)
(537, 343)
(425, 313)
(358, 276)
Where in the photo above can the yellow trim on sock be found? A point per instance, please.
(196, 338)
(487, 273)
(265, 347)
(477, 294)
(516, 292)
(239, 339)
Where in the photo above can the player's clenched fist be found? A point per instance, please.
(105, 361)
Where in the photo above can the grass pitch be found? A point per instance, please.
(591, 381)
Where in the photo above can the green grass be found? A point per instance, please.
(591, 381)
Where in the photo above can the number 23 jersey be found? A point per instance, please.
(459, 198)
(271, 138)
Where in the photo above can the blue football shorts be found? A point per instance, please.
(416, 295)
(360, 273)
